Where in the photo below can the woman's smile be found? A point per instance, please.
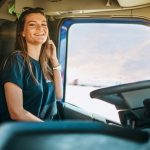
(35, 29)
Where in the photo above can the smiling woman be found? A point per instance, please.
(35, 32)
(28, 81)
(36, 26)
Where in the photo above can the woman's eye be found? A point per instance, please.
(44, 25)
(32, 24)
(37, 25)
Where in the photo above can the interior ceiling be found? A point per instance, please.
(67, 6)
(80, 8)
(62, 7)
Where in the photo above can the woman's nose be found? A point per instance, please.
(39, 27)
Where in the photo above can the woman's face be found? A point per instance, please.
(35, 29)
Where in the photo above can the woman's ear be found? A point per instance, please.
(23, 34)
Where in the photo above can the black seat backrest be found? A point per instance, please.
(7, 37)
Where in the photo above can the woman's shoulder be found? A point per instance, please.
(13, 61)
(18, 55)
(14, 57)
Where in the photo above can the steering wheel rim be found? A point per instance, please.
(121, 88)
(113, 94)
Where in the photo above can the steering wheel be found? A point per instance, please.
(118, 95)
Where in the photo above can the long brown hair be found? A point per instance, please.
(21, 46)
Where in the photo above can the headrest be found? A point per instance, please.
(7, 37)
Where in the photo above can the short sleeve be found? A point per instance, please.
(13, 70)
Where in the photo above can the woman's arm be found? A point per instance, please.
(14, 99)
(51, 53)
(57, 80)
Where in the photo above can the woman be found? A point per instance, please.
(31, 78)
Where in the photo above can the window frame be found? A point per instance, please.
(64, 27)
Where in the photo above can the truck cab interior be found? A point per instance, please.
(103, 48)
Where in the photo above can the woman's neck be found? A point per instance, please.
(34, 51)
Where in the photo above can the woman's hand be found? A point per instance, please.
(51, 53)
(51, 50)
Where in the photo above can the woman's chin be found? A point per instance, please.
(40, 41)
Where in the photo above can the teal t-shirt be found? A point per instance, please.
(39, 99)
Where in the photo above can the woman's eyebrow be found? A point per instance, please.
(36, 21)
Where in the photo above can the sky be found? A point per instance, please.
(113, 53)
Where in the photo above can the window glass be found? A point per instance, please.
(101, 55)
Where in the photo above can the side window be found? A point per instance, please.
(101, 55)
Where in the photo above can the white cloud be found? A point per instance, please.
(114, 54)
